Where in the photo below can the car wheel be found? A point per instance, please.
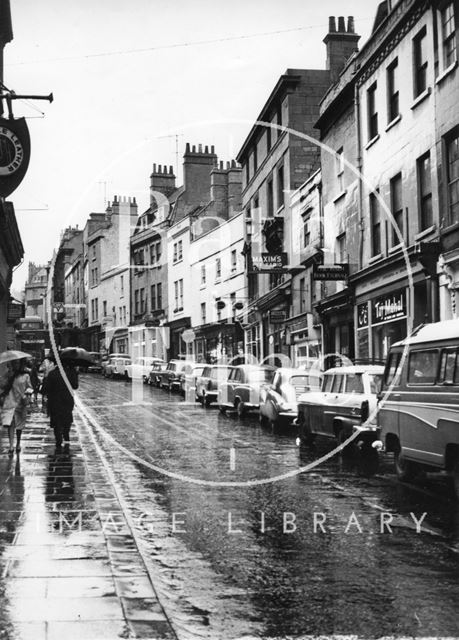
(222, 409)
(263, 419)
(241, 409)
(306, 436)
(455, 475)
(368, 460)
(349, 449)
(405, 469)
(273, 424)
(207, 401)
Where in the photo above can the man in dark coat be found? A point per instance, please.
(60, 401)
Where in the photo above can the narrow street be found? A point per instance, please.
(324, 552)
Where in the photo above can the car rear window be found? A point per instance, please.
(327, 383)
(338, 383)
(354, 383)
(261, 375)
(221, 373)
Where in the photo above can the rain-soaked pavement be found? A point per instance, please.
(198, 534)
(233, 553)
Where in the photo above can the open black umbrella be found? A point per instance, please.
(76, 356)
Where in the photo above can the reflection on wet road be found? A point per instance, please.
(325, 552)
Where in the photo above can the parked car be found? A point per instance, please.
(419, 402)
(170, 377)
(207, 383)
(106, 361)
(242, 389)
(279, 401)
(154, 375)
(348, 397)
(140, 368)
(96, 367)
(188, 379)
(116, 366)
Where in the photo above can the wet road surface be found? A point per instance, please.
(324, 552)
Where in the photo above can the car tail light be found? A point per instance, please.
(364, 411)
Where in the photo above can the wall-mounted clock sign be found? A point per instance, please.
(14, 154)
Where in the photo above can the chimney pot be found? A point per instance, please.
(350, 24)
(187, 147)
(221, 165)
(171, 170)
(331, 24)
(200, 148)
(193, 148)
(206, 149)
(212, 148)
(154, 167)
(341, 25)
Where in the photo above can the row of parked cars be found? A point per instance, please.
(408, 407)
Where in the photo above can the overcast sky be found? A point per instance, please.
(128, 77)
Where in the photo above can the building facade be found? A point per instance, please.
(277, 157)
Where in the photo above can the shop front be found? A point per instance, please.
(337, 319)
(304, 340)
(380, 322)
(390, 304)
(218, 343)
(178, 348)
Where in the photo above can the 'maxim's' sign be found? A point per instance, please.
(269, 262)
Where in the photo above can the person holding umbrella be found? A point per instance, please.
(60, 398)
(15, 396)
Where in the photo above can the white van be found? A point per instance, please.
(419, 403)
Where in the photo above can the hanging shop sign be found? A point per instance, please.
(330, 272)
(388, 307)
(277, 316)
(14, 154)
(269, 263)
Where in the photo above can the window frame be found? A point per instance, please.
(393, 93)
(372, 112)
(424, 196)
(420, 66)
(397, 180)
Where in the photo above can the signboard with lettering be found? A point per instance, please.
(330, 272)
(269, 263)
(277, 316)
(388, 307)
(14, 153)
(362, 315)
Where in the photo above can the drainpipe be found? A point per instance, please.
(359, 167)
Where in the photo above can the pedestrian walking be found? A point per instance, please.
(16, 399)
(60, 400)
(34, 379)
(47, 365)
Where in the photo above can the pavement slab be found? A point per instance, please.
(69, 563)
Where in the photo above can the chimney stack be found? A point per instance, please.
(197, 167)
(162, 179)
(341, 44)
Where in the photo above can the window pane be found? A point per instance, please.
(422, 367)
(338, 383)
(354, 383)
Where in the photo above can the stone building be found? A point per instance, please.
(388, 209)
(35, 290)
(277, 157)
(107, 269)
